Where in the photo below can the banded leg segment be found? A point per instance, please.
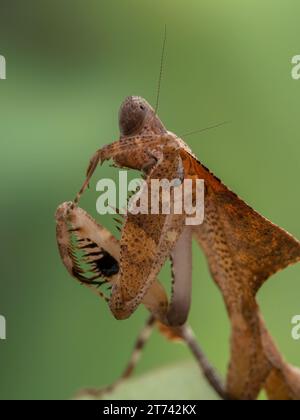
(140, 344)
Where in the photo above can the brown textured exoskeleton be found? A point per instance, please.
(243, 250)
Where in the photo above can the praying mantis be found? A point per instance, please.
(242, 248)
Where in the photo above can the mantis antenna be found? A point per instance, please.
(190, 133)
(161, 68)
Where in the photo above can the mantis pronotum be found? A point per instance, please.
(243, 250)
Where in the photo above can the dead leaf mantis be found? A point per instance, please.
(243, 249)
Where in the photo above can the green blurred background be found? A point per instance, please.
(70, 63)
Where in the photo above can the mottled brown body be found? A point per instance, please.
(243, 250)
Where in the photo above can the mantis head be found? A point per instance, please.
(136, 116)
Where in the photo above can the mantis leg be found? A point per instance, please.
(181, 258)
(147, 239)
(101, 259)
(206, 368)
(186, 335)
(140, 344)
